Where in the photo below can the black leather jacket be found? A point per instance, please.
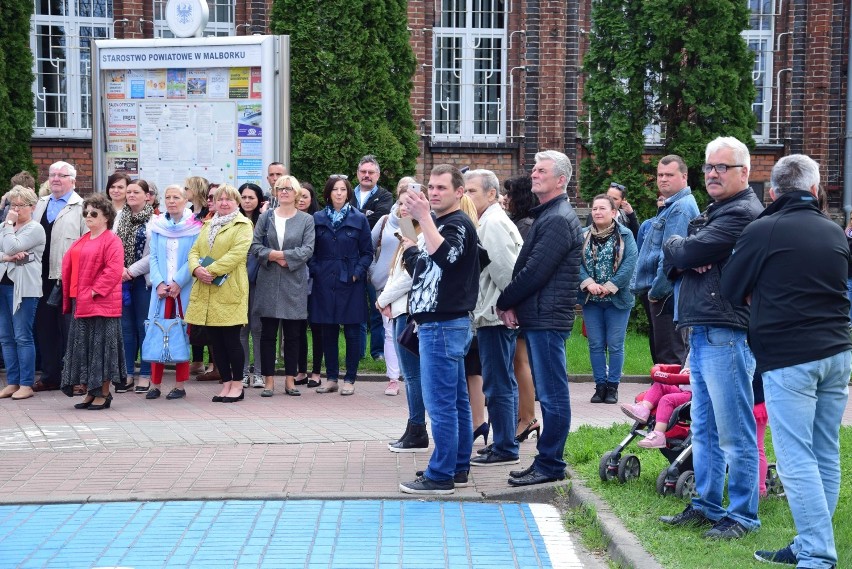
(546, 277)
(709, 241)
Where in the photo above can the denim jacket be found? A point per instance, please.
(673, 219)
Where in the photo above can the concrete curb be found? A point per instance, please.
(373, 376)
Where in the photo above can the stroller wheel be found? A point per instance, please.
(665, 488)
(629, 468)
(685, 486)
(774, 487)
(608, 466)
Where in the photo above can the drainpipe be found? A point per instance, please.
(847, 156)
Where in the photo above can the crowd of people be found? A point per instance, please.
(469, 293)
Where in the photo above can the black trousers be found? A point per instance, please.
(51, 328)
(669, 344)
(227, 351)
(316, 336)
(290, 329)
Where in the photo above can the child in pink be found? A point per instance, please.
(665, 395)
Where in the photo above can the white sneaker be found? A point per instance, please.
(258, 382)
(392, 388)
(246, 379)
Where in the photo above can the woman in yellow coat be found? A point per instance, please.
(219, 298)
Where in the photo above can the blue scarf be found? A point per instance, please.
(337, 217)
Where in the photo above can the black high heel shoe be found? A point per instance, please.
(84, 404)
(235, 399)
(532, 426)
(104, 405)
(482, 431)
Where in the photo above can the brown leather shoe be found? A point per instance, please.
(196, 368)
(212, 375)
(39, 385)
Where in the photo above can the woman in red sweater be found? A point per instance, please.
(91, 287)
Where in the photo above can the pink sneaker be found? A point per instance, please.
(392, 388)
(653, 440)
(636, 412)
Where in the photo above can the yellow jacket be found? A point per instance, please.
(226, 305)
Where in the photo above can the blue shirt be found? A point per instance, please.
(55, 205)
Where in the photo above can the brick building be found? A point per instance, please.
(496, 80)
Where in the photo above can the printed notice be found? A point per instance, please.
(217, 83)
(254, 83)
(121, 119)
(136, 79)
(196, 83)
(204, 118)
(155, 84)
(116, 85)
(122, 145)
(249, 119)
(249, 147)
(176, 84)
(204, 149)
(238, 86)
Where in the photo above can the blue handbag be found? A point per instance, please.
(166, 340)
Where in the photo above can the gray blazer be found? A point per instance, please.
(26, 276)
(282, 292)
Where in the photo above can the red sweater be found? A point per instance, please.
(101, 263)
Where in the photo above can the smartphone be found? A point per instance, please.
(406, 227)
(415, 187)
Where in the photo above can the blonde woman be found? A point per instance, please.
(196, 194)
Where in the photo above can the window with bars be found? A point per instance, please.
(221, 22)
(760, 38)
(469, 71)
(63, 31)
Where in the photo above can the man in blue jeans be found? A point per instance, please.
(444, 267)
(724, 434)
(502, 241)
(790, 265)
(540, 299)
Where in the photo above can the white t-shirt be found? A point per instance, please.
(280, 226)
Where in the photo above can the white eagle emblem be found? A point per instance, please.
(184, 12)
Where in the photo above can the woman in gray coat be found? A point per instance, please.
(21, 245)
(283, 241)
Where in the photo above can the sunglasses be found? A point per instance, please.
(339, 177)
(93, 213)
(618, 186)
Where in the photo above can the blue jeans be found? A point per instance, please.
(805, 403)
(849, 296)
(546, 349)
(723, 427)
(330, 334)
(497, 353)
(377, 327)
(16, 336)
(409, 364)
(606, 327)
(133, 325)
(442, 349)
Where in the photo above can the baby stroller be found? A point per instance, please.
(678, 477)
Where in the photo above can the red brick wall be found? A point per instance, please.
(76, 153)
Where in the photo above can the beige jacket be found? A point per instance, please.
(67, 228)
(499, 236)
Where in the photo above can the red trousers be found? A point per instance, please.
(182, 368)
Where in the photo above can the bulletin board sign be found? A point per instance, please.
(173, 108)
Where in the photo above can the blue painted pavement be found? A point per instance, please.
(309, 534)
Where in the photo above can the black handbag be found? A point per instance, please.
(55, 296)
(408, 338)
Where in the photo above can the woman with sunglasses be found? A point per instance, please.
(219, 297)
(21, 246)
(343, 251)
(283, 243)
(91, 292)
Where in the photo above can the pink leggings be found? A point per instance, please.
(666, 398)
(761, 419)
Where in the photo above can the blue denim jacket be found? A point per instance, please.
(673, 219)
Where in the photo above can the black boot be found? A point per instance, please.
(611, 396)
(600, 393)
(417, 440)
(405, 434)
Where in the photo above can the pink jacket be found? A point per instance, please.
(101, 265)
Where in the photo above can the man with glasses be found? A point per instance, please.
(373, 201)
(722, 365)
(650, 283)
(61, 216)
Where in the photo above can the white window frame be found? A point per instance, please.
(215, 25)
(74, 81)
(761, 41)
(469, 38)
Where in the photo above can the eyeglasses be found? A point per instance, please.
(19, 205)
(339, 177)
(720, 168)
(93, 213)
(60, 176)
(617, 186)
(286, 189)
(210, 197)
